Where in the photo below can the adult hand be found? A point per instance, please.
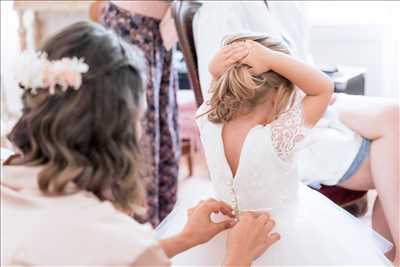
(226, 57)
(250, 238)
(200, 228)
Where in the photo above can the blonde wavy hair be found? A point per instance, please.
(237, 91)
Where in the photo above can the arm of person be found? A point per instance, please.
(226, 57)
(176, 244)
(200, 228)
(168, 30)
(316, 85)
(248, 238)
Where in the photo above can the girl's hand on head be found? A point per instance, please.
(226, 57)
(259, 58)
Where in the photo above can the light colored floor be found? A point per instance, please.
(199, 183)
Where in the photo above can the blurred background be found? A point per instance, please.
(358, 33)
(362, 37)
(357, 43)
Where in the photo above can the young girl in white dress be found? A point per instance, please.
(262, 105)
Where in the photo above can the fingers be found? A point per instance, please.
(250, 43)
(213, 205)
(272, 238)
(269, 225)
(237, 52)
(226, 57)
(234, 53)
(236, 58)
(255, 215)
(221, 226)
(253, 72)
(190, 211)
(228, 48)
(247, 216)
(220, 206)
(264, 219)
(263, 222)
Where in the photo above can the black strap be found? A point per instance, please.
(266, 3)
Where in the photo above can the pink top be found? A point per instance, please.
(74, 229)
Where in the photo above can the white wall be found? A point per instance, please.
(363, 34)
(50, 24)
(10, 93)
(9, 51)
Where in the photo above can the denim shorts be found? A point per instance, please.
(354, 167)
(358, 160)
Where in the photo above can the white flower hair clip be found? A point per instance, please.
(33, 70)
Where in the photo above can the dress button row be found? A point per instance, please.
(234, 201)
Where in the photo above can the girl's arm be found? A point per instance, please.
(226, 57)
(316, 85)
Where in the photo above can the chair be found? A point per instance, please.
(183, 13)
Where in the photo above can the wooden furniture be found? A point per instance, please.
(349, 80)
(183, 12)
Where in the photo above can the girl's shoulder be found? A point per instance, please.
(289, 130)
(292, 116)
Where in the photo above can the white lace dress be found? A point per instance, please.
(314, 231)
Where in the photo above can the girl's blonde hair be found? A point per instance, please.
(239, 91)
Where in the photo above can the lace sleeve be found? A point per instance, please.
(288, 130)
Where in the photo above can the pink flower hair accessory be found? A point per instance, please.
(33, 71)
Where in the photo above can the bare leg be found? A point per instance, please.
(362, 180)
(380, 225)
(378, 120)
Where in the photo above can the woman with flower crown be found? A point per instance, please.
(68, 196)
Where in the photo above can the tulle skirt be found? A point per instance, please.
(314, 231)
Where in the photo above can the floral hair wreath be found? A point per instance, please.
(34, 70)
